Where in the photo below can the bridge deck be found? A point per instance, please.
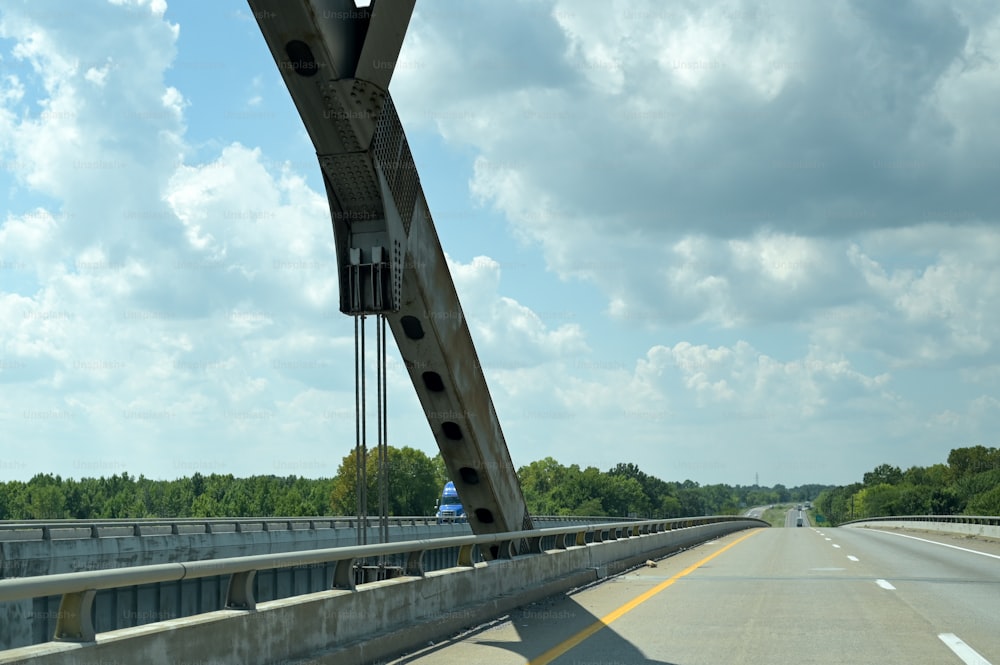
(777, 596)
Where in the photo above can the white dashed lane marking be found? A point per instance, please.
(852, 558)
(968, 655)
(934, 542)
(885, 585)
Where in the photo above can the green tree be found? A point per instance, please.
(883, 474)
(539, 481)
(623, 496)
(46, 499)
(413, 483)
(985, 503)
(878, 500)
(972, 460)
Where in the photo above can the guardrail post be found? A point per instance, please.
(343, 575)
(505, 549)
(415, 563)
(239, 595)
(75, 622)
(465, 556)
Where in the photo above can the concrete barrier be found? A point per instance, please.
(28, 621)
(37, 556)
(375, 621)
(981, 530)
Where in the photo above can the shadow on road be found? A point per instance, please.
(559, 628)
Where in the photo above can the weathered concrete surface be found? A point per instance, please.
(982, 530)
(26, 558)
(33, 621)
(375, 622)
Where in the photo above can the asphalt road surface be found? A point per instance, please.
(792, 516)
(764, 597)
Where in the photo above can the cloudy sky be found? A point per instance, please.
(715, 239)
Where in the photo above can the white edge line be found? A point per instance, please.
(968, 655)
(885, 585)
(934, 542)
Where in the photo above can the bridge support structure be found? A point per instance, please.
(336, 60)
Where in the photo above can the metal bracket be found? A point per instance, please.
(75, 622)
(239, 595)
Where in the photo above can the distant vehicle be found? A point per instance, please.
(798, 522)
(449, 506)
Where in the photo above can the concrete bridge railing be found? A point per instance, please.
(351, 621)
(969, 525)
(116, 528)
(48, 547)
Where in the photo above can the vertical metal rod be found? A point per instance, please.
(385, 423)
(363, 488)
(378, 425)
(358, 461)
(383, 433)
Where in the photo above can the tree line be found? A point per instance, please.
(414, 479)
(968, 484)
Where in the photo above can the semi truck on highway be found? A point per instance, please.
(449, 506)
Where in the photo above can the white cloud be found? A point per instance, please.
(714, 122)
(508, 334)
(778, 264)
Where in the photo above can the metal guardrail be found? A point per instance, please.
(103, 528)
(75, 619)
(954, 519)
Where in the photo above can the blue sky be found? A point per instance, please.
(715, 239)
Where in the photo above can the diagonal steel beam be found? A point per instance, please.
(337, 61)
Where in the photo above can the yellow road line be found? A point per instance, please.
(608, 619)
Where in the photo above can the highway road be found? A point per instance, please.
(792, 516)
(763, 597)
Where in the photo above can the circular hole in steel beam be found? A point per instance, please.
(301, 58)
(469, 475)
(433, 382)
(451, 430)
(484, 515)
(412, 327)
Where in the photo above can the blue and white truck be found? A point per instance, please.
(449, 506)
